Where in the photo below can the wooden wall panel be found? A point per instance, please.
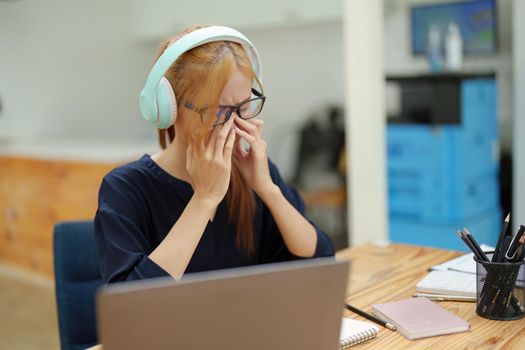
(34, 195)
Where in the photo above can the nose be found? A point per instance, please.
(234, 113)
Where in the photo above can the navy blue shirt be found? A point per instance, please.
(138, 205)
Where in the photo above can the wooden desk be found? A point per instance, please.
(380, 275)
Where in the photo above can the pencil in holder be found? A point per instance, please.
(500, 289)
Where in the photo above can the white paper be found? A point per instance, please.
(463, 263)
(350, 327)
(448, 283)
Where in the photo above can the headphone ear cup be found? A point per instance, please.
(166, 104)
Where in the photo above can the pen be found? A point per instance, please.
(504, 247)
(485, 291)
(475, 244)
(439, 297)
(505, 242)
(370, 317)
(469, 244)
(500, 239)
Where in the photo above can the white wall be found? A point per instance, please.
(518, 208)
(75, 68)
(398, 56)
(69, 68)
(302, 71)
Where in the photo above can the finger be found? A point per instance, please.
(228, 148)
(252, 126)
(210, 145)
(198, 146)
(189, 156)
(248, 137)
(189, 149)
(239, 150)
(252, 141)
(259, 123)
(245, 125)
(222, 136)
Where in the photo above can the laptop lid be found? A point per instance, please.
(292, 305)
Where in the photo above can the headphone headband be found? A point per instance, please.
(148, 100)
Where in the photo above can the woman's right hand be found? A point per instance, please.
(209, 164)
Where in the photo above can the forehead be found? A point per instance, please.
(237, 89)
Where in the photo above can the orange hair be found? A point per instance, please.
(199, 76)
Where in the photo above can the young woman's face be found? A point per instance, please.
(236, 90)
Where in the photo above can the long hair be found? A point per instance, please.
(199, 76)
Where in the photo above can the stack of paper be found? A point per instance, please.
(450, 283)
(452, 280)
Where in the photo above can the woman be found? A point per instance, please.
(204, 201)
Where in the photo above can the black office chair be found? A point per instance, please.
(77, 278)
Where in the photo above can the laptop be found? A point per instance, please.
(291, 305)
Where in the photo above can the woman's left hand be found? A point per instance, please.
(253, 163)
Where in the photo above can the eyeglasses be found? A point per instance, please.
(247, 109)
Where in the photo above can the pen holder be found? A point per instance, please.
(500, 289)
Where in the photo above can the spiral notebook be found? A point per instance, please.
(354, 332)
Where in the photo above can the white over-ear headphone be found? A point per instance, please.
(158, 103)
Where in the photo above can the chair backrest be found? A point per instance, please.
(77, 278)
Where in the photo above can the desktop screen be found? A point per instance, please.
(476, 21)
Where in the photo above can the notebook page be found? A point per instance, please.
(355, 332)
(463, 263)
(350, 327)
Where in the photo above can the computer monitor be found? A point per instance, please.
(292, 305)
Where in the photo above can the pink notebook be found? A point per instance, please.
(419, 318)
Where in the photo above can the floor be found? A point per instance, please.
(27, 312)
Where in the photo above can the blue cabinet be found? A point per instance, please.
(442, 234)
(445, 176)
